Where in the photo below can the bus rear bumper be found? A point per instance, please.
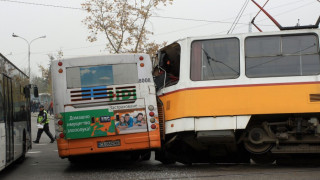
(130, 142)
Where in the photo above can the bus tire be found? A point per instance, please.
(135, 156)
(146, 156)
(74, 159)
(167, 161)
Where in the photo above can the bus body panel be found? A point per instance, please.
(2, 146)
(91, 114)
(18, 130)
(129, 142)
(15, 116)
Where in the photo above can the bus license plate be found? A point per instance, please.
(103, 144)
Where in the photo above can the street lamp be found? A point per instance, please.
(29, 43)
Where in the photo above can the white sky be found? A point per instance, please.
(65, 31)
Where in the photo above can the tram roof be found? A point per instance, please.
(246, 34)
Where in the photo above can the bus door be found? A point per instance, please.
(8, 118)
(2, 127)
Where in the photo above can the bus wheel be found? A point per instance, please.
(146, 156)
(167, 161)
(135, 156)
(75, 159)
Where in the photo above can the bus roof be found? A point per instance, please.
(7, 67)
(99, 56)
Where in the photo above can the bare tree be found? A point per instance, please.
(123, 22)
(46, 73)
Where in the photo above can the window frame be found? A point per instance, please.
(225, 38)
(282, 54)
(89, 66)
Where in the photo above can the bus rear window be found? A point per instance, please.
(92, 76)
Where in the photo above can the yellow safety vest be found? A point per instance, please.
(40, 118)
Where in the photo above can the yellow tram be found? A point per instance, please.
(229, 98)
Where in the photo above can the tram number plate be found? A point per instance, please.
(103, 144)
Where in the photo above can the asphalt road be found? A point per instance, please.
(42, 162)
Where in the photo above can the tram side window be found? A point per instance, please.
(167, 73)
(215, 59)
(277, 56)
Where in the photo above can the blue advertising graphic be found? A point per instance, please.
(96, 76)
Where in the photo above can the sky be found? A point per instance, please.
(61, 22)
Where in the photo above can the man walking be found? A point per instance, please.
(43, 119)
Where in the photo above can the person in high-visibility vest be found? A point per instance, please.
(43, 120)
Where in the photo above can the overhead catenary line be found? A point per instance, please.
(245, 24)
(188, 19)
(153, 16)
(235, 22)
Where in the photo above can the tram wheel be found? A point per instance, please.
(258, 148)
(255, 141)
(262, 158)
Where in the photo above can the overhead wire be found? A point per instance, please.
(153, 16)
(165, 17)
(273, 16)
(238, 16)
(244, 24)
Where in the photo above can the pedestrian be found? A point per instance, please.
(51, 108)
(43, 120)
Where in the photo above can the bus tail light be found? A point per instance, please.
(141, 58)
(61, 135)
(60, 70)
(141, 65)
(152, 120)
(151, 114)
(60, 63)
(151, 108)
(153, 126)
(60, 122)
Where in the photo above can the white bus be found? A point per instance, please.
(15, 126)
(105, 104)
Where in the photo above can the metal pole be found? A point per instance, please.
(29, 60)
(29, 45)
